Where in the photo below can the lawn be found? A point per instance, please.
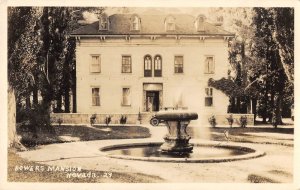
(69, 133)
(75, 133)
(262, 135)
(43, 175)
(85, 133)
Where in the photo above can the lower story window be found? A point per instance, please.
(208, 97)
(95, 96)
(126, 97)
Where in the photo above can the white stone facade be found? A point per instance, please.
(186, 89)
(129, 63)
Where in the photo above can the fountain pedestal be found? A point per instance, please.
(177, 139)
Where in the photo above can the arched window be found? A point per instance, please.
(103, 22)
(157, 66)
(136, 23)
(170, 23)
(147, 66)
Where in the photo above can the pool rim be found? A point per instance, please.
(253, 153)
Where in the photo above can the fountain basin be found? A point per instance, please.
(177, 139)
(176, 115)
(205, 152)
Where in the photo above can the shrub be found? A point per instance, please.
(140, 117)
(107, 119)
(230, 120)
(59, 121)
(123, 119)
(93, 119)
(243, 121)
(212, 121)
(275, 121)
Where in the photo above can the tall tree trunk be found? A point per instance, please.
(279, 108)
(67, 100)
(265, 103)
(35, 100)
(27, 100)
(73, 86)
(58, 103)
(66, 86)
(271, 105)
(238, 104)
(254, 107)
(74, 99)
(13, 141)
(35, 91)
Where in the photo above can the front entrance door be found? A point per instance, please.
(152, 101)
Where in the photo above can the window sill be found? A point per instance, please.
(209, 73)
(126, 106)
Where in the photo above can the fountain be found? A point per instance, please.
(176, 146)
(177, 139)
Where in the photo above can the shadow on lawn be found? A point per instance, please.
(85, 133)
(241, 131)
(79, 133)
(238, 134)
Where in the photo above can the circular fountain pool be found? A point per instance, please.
(204, 152)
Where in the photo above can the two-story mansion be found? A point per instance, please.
(128, 63)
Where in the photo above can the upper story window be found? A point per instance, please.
(209, 65)
(135, 23)
(95, 66)
(103, 22)
(200, 26)
(208, 97)
(157, 66)
(126, 64)
(178, 64)
(95, 96)
(170, 23)
(147, 66)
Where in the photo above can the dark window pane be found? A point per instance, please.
(178, 64)
(157, 66)
(157, 73)
(147, 66)
(208, 101)
(148, 73)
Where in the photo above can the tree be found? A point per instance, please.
(277, 66)
(59, 48)
(22, 45)
(238, 21)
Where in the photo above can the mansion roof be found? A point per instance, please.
(121, 24)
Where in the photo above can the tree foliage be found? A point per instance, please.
(23, 43)
(261, 57)
(41, 59)
(227, 86)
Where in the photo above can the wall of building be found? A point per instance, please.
(190, 85)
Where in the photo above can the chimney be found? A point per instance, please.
(219, 21)
(200, 23)
(103, 22)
